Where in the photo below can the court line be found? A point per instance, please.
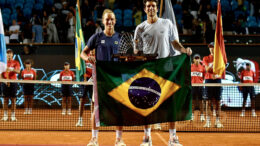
(161, 138)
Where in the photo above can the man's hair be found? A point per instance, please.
(107, 11)
(144, 1)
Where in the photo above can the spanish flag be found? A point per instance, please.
(79, 46)
(144, 92)
(220, 58)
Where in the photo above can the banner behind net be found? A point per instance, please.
(47, 109)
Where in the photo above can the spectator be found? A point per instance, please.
(20, 17)
(14, 31)
(27, 32)
(89, 29)
(187, 22)
(137, 16)
(71, 21)
(86, 12)
(208, 31)
(213, 18)
(98, 27)
(37, 32)
(52, 32)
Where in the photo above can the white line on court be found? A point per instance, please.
(162, 139)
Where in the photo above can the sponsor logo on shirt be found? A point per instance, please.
(89, 65)
(116, 42)
(247, 78)
(103, 41)
(68, 78)
(28, 76)
(196, 74)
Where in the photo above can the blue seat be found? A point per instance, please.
(19, 1)
(6, 11)
(225, 6)
(13, 17)
(234, 5)
(10, 2)
(38, 6)
(49, 2)
(40, 1)
(27, 12)
(18, 5)
(238, 13)
(30, 1)
(145, 17)
(251, 21)
(119, 22)
(2, 3)
(28, 5)
(128, 13)
(213, 4)
(5, 19)
(118, 13)
(128, 22)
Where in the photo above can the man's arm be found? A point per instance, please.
(84, 55)
(178, 46)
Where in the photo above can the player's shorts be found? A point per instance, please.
(248, 90)
(87, 91)
(28, 89)
(10, 91)
(197, 93)
(213, 92)
(66, 90)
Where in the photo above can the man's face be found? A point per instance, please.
(66, 67)
(9, 55)
(248, 67)
(196, 60)
(28, 65)
(109, 20)
(151, 8)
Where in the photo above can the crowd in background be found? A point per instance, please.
(54, 21)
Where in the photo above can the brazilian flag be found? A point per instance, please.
(79, 46)
(144, 92)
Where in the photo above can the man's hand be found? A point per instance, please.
(92, 59)
(188, 51)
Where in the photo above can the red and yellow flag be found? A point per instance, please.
(220, 58)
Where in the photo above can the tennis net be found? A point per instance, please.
(47, 109)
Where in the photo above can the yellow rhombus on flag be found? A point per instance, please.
(131, 93)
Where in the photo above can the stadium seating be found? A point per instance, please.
(5, 19)
(128, 18)
(2, 3)
(6, 11)
(27, 12)
(19, 1)
(119, 17)
(28, 5)
(30, 1)
(38, 7)
(19, 5)
(234, 5)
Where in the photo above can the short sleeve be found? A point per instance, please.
(92, 41)
(34, 73)
(173, 33)
(17, 65)
(61, 74)
(22, 74)
(205, 61)
(73, 75)
(138, 42)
